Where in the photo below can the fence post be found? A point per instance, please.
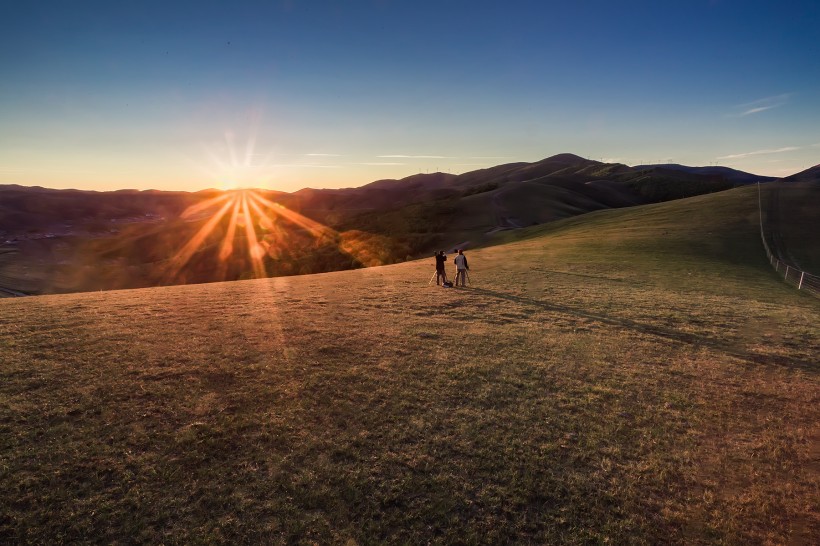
(771, 255)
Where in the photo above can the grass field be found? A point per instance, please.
(630, 376)
(790, 215)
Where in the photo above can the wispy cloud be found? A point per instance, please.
(380, 163)
(761, 105)
(788, 171)
(758, 109)
(305, 165)
(323, 155)
(401, 156)
(761, 152)
(26, 170)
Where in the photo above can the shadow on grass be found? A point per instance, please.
(694, 340)
(583, 275)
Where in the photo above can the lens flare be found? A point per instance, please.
(184, 255)
(265, 239)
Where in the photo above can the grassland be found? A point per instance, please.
(631, 376)
(790, 215)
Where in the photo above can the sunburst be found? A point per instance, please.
(244, 213)
(249, 210)
(259, 218)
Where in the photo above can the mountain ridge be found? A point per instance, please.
(91, 238)
(812, 174)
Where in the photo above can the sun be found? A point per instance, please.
(245, 210)
(230, 184)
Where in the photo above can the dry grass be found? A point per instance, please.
(589, 388)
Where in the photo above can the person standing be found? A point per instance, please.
(461, 267)
(441, 259)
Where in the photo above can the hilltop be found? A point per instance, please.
(809, 175)
(630, 375)
(733, 175)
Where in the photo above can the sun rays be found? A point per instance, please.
(244, 214)
(244, 233)
(243, 226)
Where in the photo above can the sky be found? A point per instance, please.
(324, 94)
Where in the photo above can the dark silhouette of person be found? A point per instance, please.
(441, 259)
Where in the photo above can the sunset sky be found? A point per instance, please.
(292, 94)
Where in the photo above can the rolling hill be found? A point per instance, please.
(733, 175)
(67, 240)
(792, 222)
(809, 175)
(632, 375)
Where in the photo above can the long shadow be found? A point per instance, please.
(666, 333)
(598, 277)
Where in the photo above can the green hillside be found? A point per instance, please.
(628, 376)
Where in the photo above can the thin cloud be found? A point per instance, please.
(400, 156)
(758, 109)
(761, 105)
(761, 152)
(323, 155)
(305, 165)
(787, 171)
(25, 170)
(767, 100)
(380, 163)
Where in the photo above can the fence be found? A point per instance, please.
(791, 273)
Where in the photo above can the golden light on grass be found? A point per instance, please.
(480, 407)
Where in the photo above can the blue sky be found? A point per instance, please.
(108, 95)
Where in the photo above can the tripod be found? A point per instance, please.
(434, 276)
(465, 277)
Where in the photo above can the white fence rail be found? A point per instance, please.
(791, 274)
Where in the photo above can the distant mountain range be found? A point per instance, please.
(66, 240)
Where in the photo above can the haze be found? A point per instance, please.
(186, 96)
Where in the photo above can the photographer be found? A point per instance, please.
(441, 274)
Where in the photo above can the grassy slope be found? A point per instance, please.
(635, 376)
(792, 214)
